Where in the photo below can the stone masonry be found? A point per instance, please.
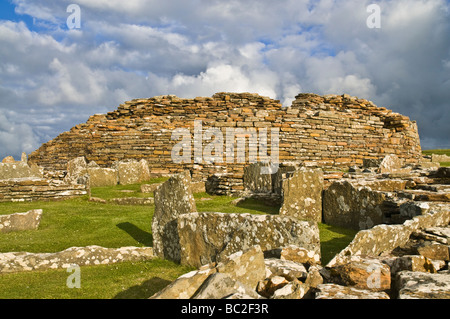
(327, 131)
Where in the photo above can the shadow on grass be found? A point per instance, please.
(138, 234)
(145, 290)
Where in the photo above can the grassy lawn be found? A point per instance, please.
(126, 280)
(439, 152)
(78, 222)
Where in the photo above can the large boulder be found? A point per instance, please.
(209, 237)
(302, 195)
(172, 199)
(20, 221)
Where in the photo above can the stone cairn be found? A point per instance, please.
(401, 250)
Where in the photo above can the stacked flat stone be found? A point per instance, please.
(325, 131)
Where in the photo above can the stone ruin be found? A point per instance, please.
(397, 199)
(322, 131)
(401, 251)
(21, 181)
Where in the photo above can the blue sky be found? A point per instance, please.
(52, 78)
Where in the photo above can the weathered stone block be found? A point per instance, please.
(20, 221)
(185, 286)
(246, 266)
(421, 285)
(208, 237)
(132, 171)
(222, 285)
(256, 180)
(172, 199)
(390, 164)
(285, 268)
(76, 168)
(364, 273)
(347, 206)
(435, 251)
(300, 255)
(412, 263)
(18, 170)
(100, 177)
(333, 291)
(81, 256)
(302, 195)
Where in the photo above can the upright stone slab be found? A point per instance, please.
(172, 199)
(302, 195)
(18, 170)
(345, 205)
(255, 180)
(76, 168)
(210, 237)
(390, 164)
(284, 171)
(100, 177)
(132, 171)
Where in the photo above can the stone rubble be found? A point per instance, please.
(383, 261)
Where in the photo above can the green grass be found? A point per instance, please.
(126, 280)
(439, 152)
(120, 191)
(333, 239)
(78, 222)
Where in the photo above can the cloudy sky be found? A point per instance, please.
(54, 76)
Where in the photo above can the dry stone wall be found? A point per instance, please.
(38, 189)
(332, 130)
(80, 256)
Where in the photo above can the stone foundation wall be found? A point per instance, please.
(326, 131)
(24, 190)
